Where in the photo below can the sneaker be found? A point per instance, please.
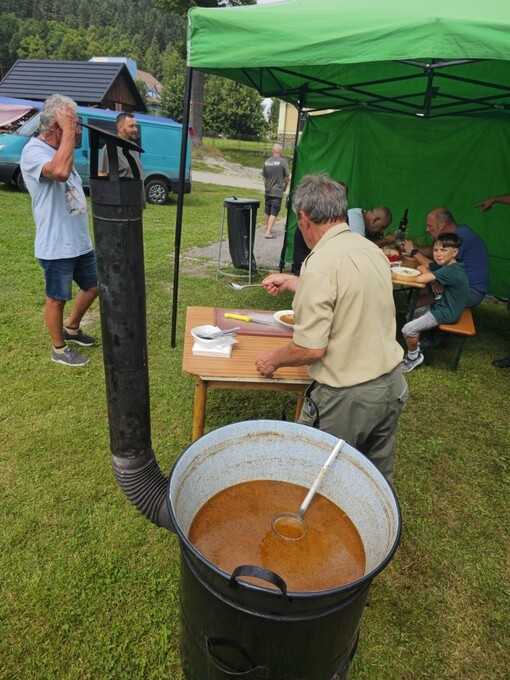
(408, 364)
(80, 338)
(68, 357)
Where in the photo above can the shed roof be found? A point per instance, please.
(104, 84)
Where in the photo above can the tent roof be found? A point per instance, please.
(433, 58)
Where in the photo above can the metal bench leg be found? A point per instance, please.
(460, 349)
(429, 358)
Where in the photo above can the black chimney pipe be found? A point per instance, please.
(118, 232)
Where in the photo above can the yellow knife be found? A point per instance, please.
(242, 317)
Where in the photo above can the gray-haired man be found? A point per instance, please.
(62, 242)
(345, 328)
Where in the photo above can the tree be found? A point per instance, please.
(32, 47)
(73, 47)
(229, 108)
(197, 92)
(232, 109)
(152, 60)
(272, 117)
(172, 97)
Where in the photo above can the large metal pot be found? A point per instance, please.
(230, 628)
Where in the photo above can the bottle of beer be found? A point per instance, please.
(401, 233)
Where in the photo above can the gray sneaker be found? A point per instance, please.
(80, 338)
(408, 364)
(68, 357)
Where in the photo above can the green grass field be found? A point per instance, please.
(90, 589)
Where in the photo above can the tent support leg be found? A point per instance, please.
(291, 189)
(180, 200)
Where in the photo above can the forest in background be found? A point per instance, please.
(76, 30)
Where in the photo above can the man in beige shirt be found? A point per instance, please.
(345, 328)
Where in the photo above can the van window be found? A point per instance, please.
(30, 128)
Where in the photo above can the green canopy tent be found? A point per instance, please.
(421, 93)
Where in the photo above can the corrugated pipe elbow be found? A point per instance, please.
(145, 486)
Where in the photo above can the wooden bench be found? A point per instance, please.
(464, 328)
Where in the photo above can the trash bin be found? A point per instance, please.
(241, 222)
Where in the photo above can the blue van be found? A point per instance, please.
(160, 138)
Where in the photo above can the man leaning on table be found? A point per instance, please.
(345, 329)
(473, 253)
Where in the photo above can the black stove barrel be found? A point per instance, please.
(118, 232)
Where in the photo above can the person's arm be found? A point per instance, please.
(425, 276)
(422, 255)
(290, 355)
(61, 165)
(489, 202)
(277, 283)
(387, 240)
(103, 163)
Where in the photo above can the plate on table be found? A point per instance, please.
(285, 317)
(392, 254)
(404, 273)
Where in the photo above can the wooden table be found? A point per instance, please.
(411, 292)
(238, 372)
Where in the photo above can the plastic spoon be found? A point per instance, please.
(292, 527)
(238, 286)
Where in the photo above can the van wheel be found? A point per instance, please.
(20, 183)
(156, 192)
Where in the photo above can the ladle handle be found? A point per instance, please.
(318, 479)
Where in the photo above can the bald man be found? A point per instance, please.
(276, 179)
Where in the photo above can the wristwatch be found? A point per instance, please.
(413, 252)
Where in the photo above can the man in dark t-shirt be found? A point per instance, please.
(276, 179)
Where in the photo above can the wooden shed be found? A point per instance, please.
(108, 85)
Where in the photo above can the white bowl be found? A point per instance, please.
(285, 312)
(206, 330)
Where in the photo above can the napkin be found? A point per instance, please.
(221, 348)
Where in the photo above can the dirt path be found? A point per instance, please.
(231, 175)
(228, 179)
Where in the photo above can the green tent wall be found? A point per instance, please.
(418, 164)
(422, 91)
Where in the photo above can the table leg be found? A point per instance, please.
(199, 408)
(413, 301)
(299, 406)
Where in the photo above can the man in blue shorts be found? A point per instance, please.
(62, 242)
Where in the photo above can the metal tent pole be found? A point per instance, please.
(180, 200)
(291, 188)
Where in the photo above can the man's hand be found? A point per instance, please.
(265, 364)
(67, 120)
(486, 205)
(277, 283)
(289, 355)
(408, 245)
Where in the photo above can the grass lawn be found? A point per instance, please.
(90, 589)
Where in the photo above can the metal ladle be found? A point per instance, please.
(292, 527)
(238, 286)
